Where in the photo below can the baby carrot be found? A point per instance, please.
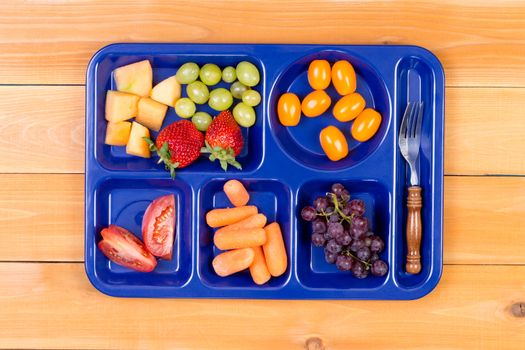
(258, 268)
(274, 250)
(254, 221)
(236, 193)
(250, 237)
(233, 261)
(228, 216)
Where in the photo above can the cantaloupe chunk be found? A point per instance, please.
(136, 145)
(121, 106)
(167, 91)
(117, 133)
(135, 78)
(151, 113)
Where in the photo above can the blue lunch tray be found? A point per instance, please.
(284, 169)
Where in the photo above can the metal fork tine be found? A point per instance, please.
(419, 121)
(404, 122)
(413, 117)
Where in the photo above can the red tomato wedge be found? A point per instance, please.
(158, 227)
(123, 248)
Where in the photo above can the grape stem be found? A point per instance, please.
(337, 209)
(348, 253)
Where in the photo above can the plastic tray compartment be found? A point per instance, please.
(284, 169)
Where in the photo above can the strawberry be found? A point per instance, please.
(224, 140)
(177, 145)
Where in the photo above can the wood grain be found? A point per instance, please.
(480, 43)
(42, 130)
(484, 131)
(54, 306)
(41, 217)
(483, 219)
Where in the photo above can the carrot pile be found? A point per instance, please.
(248, 241)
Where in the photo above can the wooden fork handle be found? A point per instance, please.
(414, 228)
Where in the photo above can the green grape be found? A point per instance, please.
(244, 115)
(201, 120)
(187, 73)
(210, 74)
(229, 75)
(184, 107)
(237, 89)
(247, 73)
(220, 99)
(251, 98)
(198, 92)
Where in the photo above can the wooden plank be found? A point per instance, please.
(54, 306)
(41, 217)
(480, 42)
(483, 130)
(483, 219)
(42, 129)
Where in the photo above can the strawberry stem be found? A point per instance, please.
(164, 156)
(225, 156)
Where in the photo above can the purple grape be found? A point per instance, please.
(357, 244)
(318, 240)
(337, 189)
(379, 268)
(360, 223)
(327, 236)
(357, 207)
(329, 256)
(369, 234)
(363, 254)
(334, 218)
(308, 213)
(377, 244)
(333, 246)
(344, 196)
(359, 270)
(368, 242)
(344, 239)
(344, 263)
(318, 226)
(374, 257)
(356, 233)
(346, 210)
(320, 204)
(329, 210)
(335, 229)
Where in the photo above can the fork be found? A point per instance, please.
(409, 143)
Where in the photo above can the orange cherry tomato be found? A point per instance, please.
(315, 103)
(366, 125)
(348, 107)
(289, 109)
(343, 77)
(333, 143)
(319, 74)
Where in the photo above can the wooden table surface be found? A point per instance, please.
(46, 300)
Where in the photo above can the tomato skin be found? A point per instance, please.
(289, 109)
(319, 74)
(366, 125)
(348, 107)
(122, 247)
(315, 103)
(333, 143)
(158, 226)
(343, 77)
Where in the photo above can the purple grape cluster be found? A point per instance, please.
(340, 227)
